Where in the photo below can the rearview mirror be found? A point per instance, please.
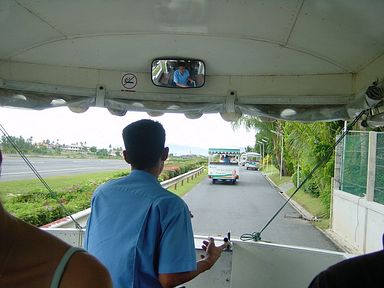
(178, 73)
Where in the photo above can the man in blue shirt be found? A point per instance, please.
(181, 76)
(140, 231)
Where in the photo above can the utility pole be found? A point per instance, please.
(282, 150)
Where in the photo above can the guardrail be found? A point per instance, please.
(82, 216)
(181, 178)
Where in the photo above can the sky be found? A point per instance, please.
(99, 128)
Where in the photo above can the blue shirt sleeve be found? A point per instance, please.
(176, 76)
(177, 248)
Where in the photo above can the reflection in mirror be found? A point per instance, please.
(178, 73)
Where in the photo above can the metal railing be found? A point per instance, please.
(181, 178)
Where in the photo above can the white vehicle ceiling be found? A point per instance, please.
(294, 60)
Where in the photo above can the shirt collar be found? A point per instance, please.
(143, 174)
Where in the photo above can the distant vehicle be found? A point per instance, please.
(253, 161)
(223, 164)
(243, 159)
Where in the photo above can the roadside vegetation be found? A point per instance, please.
(54, 148)
(305, 144)
(31, 202)
(312, 204)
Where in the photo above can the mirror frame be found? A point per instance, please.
(178, 59)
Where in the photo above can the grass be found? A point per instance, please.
(311, 204)
(59, 183)
(182, 190)
(274, 174)
(275, 177)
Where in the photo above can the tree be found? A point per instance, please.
(24, 145)
(93, 149)
(305, 144)
(102, 152)
(264, 131)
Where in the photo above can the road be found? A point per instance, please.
(14, 168)
(245, 208)
(242, 208)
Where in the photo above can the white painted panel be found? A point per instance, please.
(269, 20)
(375, 227)
(19, 29)
(250, 264)
(358, 222)
(135, 52)
(247, 87)
(349, 32)
(71, 236)
(274, 266)
(348, 218)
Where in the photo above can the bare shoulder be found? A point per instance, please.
(84, 270)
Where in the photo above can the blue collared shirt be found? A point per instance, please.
(181, 79)
(138, 229)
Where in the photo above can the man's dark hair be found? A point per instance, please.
(144, 143)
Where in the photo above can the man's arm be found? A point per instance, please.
(181, 85)
(212, 255)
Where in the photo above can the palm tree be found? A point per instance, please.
(264, 131)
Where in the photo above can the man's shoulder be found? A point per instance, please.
(111, 183)
(168, 199)
(176, 74)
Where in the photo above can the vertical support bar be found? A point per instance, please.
(343, 158)
(331, 203)
(281, 156)
(339, 154)
(298, 175)
(371, 173)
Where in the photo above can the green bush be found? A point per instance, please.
(39, 207)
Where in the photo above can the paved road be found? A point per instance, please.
(245, 208)
(14, 168)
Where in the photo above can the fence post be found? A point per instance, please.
(339, 158)
(371, 173)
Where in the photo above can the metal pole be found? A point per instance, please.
(263, 152)
(343, 157)
(281, 156)
(298, 175)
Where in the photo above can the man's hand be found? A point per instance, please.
(212, 252)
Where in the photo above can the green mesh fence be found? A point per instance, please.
(354, 164)
(379, 177)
